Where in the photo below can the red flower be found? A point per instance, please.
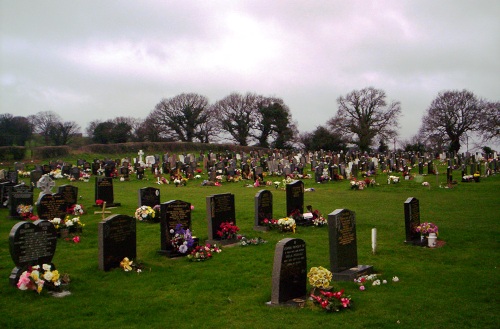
(99, 202)
(76, 239)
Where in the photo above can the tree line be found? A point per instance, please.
(364, 118)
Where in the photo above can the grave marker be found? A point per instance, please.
(19, 194)
(50, 206)
(343, 246)
(173, 212)
(289, 272)
(220, 209)
(104, 191)
(117, 240)
(412, 220)
(263, 209)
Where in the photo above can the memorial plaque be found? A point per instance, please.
(31, 243)
(69, 194)
(173, 212)
(289, 272)
(263, 209)
(412, 220)
(220, 209)
(295, 197)
(343, 246)
(50, 206)
(117, 240)
(19, 194)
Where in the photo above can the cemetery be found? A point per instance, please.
(156, 241)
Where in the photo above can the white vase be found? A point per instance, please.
(431, 240)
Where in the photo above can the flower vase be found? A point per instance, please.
(431, 240)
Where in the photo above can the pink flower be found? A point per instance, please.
(192, 207)
(362, 288)
(76, 239)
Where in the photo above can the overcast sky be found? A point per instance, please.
(88, 60)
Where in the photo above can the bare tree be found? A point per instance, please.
(450, 116)
(363, 115)
(182, 116)
(490, 122)
(44, 122)
(237, 116)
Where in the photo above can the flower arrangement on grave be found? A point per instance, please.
(426, 184)
(393, 180)
(182, 239)
(74, 224)
(315, 216)
(128, 265)
(286, 224)
(319, 277)
(271, 223)
(99, 202)
(145, 213)
(25, 174)
(357, 184)
(56, 174)
(228, 231)
(37, 277)
(426, 228)
(467, 178)
(85, 177)
(202, 253)
(323, 294)
(76, 209)
(251, 242)
(25, 211)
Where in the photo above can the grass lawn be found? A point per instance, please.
(455, 286)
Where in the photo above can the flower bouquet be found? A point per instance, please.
(182, 240)
(26, 212)
(201, 253)
(228, 231)
(37, 277)
(76, 209)
(286, 224)
(128, 265)
(426, 228)
(251, 242)
(322, 294)
(271, 223)
(145, 214)
(393, 180)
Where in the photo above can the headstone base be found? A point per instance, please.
(352, 273)
(420, 242)
(261, 228)
(296, 302)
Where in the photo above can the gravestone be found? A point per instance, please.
(117, 240)
(13, 177)
(263, 209)
(149, 196)
(412, 220)
(104, 191)
(139, 171)
(19, 194)
(173, 212)
(50, 206)
(31, 243)
(69, 194)
(5, 188)
(35, 176)
(220, 209)
(75, 173)
(295, 197)
(343, 246)
(289, 277)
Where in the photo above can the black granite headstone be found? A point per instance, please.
(289, 272)
(220, 209)
(173, 212)
(19, 194)
(35, 176)
(263, 209)
(117, 240)
(104, 191)
(69, 194)
(295, 197)
(50, 206)
(31, 243)
(412, 220)
(343, 246)
(149, 196)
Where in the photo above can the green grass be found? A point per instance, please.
(455, 286)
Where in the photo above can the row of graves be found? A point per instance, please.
(34, 243)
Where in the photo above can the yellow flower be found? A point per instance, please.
(55, 275)
(126, 264)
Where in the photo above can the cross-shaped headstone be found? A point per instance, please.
(45, 183)
(140, 154)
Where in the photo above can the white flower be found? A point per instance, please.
(48, 276)
(46, 267)
(395, 279)
(376, 283)
(56, 221)
(197, 176)
(384, 281)
(69, 223)
(172, 231)
(183, 248)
